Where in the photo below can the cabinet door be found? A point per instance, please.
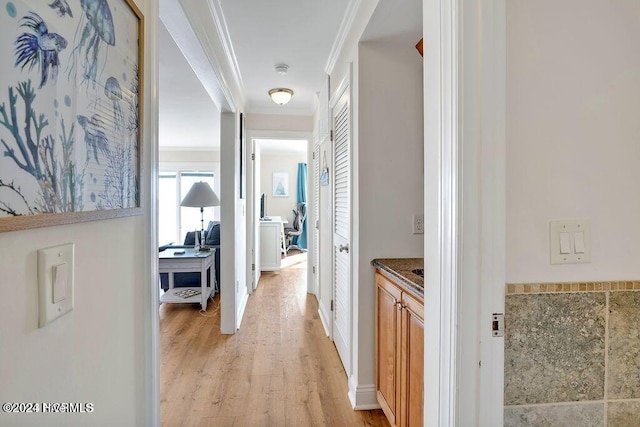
(388, 326)
(269, 246)
(412, 396)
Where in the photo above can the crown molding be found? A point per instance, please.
(345, 27)
(354, 22)
(225, 39)
(175, 19)
(200, 30)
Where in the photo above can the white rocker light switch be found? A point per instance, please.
(55, 282)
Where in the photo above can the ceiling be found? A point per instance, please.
(300, 33)
(189, 119)
(395, 21)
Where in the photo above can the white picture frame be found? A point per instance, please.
(280, 184)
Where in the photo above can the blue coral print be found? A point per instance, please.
(68, 141)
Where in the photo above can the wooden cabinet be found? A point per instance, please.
(399, 352)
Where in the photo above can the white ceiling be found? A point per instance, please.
(188, 117)
(395, 21)
(299, 33)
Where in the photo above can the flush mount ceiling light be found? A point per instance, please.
(281, 95)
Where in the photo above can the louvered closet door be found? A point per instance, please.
(341, 117)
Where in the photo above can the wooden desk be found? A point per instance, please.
(190, 261)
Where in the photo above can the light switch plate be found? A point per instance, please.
(418, 223)
(575, 231)
(55, 282)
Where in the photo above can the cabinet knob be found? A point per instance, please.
(344, 248)
(399, 305)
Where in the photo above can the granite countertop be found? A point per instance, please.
(401, 269)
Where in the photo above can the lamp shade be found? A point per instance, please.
(200, 196)
(281, 95)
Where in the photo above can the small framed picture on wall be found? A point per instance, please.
(280, 184)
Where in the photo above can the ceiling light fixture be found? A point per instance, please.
(281, 95)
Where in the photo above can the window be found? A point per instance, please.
(173, 220)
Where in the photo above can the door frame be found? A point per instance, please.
(252, 208)
(465, 157)
(345, 87)
(325, 269)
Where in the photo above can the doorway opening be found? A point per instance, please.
(278, 205)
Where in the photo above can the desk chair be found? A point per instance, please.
(296, 230)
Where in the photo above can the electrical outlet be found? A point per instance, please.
(418, 223)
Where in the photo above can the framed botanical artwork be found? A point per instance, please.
(70, 111)
(280, 184)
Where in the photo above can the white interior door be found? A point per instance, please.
(341, 125)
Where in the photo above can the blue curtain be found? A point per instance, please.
(301, 240)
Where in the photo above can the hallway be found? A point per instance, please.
(280, 369)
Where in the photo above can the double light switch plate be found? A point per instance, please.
(570, 241)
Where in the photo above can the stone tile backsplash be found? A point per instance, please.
(624, 346)
(572, 357)
(554, 348)
(624, 414)
(583, 415)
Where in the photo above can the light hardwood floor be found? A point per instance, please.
(280, 369)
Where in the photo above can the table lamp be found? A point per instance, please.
(200, 196)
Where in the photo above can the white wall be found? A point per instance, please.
(279, 122)
(233, 274)
(189, 156)
(101, 351)
(361, 387)
(573, 97)
(280, 162)
(174, 160)
(390, 172)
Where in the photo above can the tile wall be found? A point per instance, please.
(572, 354)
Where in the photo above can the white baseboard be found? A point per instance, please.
(241, 308)
(325, 322)
(362, 397)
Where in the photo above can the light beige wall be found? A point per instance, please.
(573, 96)
(282, 162)
(189, 156)
(172, 160)
(279, 122)
(99, 352)
(390, 171)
